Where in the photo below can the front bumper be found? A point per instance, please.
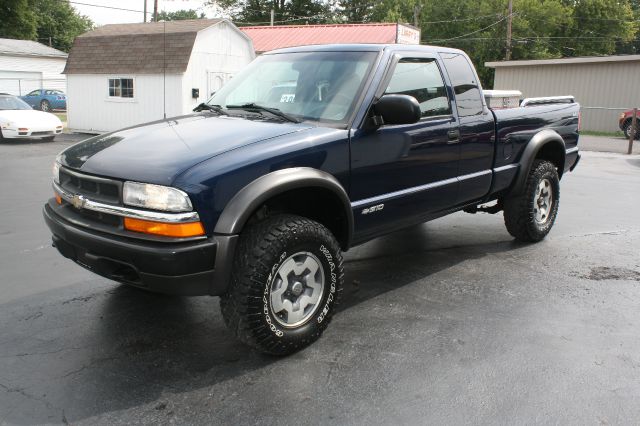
(192, 268)
(31, 133)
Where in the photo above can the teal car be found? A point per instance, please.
(46, 99)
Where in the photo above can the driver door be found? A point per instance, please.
(402, 174)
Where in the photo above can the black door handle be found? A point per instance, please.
(454, 136)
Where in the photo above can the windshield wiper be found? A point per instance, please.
(273, 111)
(207, 107)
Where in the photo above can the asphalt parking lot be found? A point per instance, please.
(450, 322)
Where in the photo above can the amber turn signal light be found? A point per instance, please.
(177, 230)
(58, 198)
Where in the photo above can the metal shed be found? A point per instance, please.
(602, 84)
(267, 38)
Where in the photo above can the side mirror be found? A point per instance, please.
(397, 109)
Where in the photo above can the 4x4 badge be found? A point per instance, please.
(78, 201)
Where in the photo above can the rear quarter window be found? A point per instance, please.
(465, 84)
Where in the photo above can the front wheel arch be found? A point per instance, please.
(275, 189)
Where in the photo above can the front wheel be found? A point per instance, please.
(285, 285)
(530, 215)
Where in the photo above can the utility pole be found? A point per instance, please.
(145, 11)
(416, 15)
(273, 16)
(507, 56)
(155, 10)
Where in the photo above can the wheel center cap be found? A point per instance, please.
(296, 288)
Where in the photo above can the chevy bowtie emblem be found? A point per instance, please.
(78, 201)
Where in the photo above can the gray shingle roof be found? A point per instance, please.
(136, 48)
(10, 46)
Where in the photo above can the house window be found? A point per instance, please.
(121, 87)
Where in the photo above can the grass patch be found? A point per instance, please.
(62, 116)
(617, 134)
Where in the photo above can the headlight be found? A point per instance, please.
(56, 172)
(155, 197)
(6, 125)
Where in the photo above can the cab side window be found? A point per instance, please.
(421, 78)
(465, 84)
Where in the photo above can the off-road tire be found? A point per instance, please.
(45, 106)
(519, 210)
(262, 249)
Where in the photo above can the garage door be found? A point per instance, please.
(19, 83)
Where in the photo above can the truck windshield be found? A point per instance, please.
(315, 86)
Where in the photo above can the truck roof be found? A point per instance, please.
(361, 47)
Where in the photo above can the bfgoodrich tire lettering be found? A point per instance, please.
(262, 251)
(522, 215)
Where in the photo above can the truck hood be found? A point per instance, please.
(160, 151)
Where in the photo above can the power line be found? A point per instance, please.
(103, 6)
(476, 31)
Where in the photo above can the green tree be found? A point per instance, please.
(357, 10)
(57, 21)
(180, 15)
(600, 26)
(285, 11)
(17, 20)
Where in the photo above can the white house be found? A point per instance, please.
(125, 74)
(27, 65)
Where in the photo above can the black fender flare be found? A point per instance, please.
(535, 144)
(238, 210)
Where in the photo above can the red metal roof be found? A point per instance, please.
(270, 38)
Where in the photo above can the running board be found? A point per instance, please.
(496, 208)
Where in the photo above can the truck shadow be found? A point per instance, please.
(126, 348)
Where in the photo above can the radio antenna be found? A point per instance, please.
(164, 69)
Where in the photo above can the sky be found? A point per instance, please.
(103, 15)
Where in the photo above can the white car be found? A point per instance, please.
(19, 121)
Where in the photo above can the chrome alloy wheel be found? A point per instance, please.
(297, 289)
(543, 201)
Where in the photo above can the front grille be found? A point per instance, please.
(92, 187)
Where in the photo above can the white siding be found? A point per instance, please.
(90, 109)
(33, 73)
(221, 50)
(600, 84)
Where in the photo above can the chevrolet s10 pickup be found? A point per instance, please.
(307, 152)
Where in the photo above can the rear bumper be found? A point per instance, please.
(572, 157)
(186, 268)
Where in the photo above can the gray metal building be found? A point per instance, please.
(598, 81)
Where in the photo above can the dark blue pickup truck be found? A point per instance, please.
(307, 152)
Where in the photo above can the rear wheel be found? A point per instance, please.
(286, 281)
(530, 215)
(628, 130)
(45, 106)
